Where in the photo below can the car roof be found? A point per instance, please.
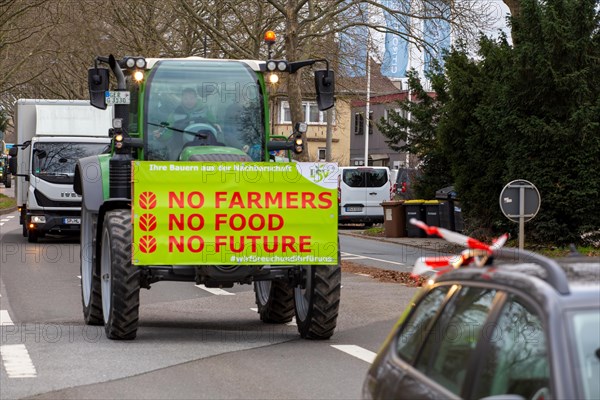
(578, 277)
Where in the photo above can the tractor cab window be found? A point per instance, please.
(202, 103)
(133, 88)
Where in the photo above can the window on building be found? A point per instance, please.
(359, 123)
(312, 115)
(322, 154)
(387, 113)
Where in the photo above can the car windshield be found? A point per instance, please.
(586, 343)
(55, 162)
(200, 102)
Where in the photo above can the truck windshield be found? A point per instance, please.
(55, 162)
(205, 102)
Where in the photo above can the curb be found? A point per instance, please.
(445, 248)
(8, 210)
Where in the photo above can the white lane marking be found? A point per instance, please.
(377, 259)
(353, 258)
(216, 291)
(254, 309)
(4, 219)
(10, 216)
(5, 319)
(17, 362)
(356, 351)
(358, 273)
(1, 223)
(79, 276)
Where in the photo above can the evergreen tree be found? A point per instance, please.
(417, 134)
(554, 133)
(472, 129)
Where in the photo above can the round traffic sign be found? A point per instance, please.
(520, 198)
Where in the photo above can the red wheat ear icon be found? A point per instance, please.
(147, 244)
(147, 200)
(147, 222)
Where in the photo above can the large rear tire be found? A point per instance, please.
(91, 296)
(317, 303)
(275, 301)
(120, 280)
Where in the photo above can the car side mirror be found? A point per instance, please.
(98, 80)
(325, 88)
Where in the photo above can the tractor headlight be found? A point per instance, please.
(138, 76)
(273, 78)
(140, 63)
(130, 63)
(282, 66)
(271, 65)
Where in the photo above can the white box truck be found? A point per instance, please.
(52, 135)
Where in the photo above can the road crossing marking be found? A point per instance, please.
(216, 291)
(10, 216)
(5, 319)
(4, 220)
(372, 258)
(356, 351)
(254, 309)
(17, 362)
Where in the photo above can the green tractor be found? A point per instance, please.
(178, 115)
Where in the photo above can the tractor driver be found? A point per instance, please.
(167, 142)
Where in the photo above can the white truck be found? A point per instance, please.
(52, 135)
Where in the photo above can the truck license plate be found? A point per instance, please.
(354, 209)
(72, 221)
(117, 97)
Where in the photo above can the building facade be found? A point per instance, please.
(317, 128)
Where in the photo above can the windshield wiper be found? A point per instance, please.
(55, 174)
(166, 125)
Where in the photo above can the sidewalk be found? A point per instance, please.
(433, 244)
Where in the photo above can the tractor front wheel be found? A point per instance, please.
(317, 302)
(91, 296)
(119, 279)
(275, 301)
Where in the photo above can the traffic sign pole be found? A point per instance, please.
(520, 202)
(521, 217)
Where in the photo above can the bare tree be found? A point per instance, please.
(310, 27)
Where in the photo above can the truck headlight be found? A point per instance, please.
(38, 219)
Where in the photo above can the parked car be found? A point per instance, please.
(361, 190)
(403, 182)
(520, 327)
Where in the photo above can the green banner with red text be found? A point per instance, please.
(189, 213)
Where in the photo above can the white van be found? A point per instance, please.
(361, 190)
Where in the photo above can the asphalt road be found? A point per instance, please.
(373, 252)
(191, 343)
